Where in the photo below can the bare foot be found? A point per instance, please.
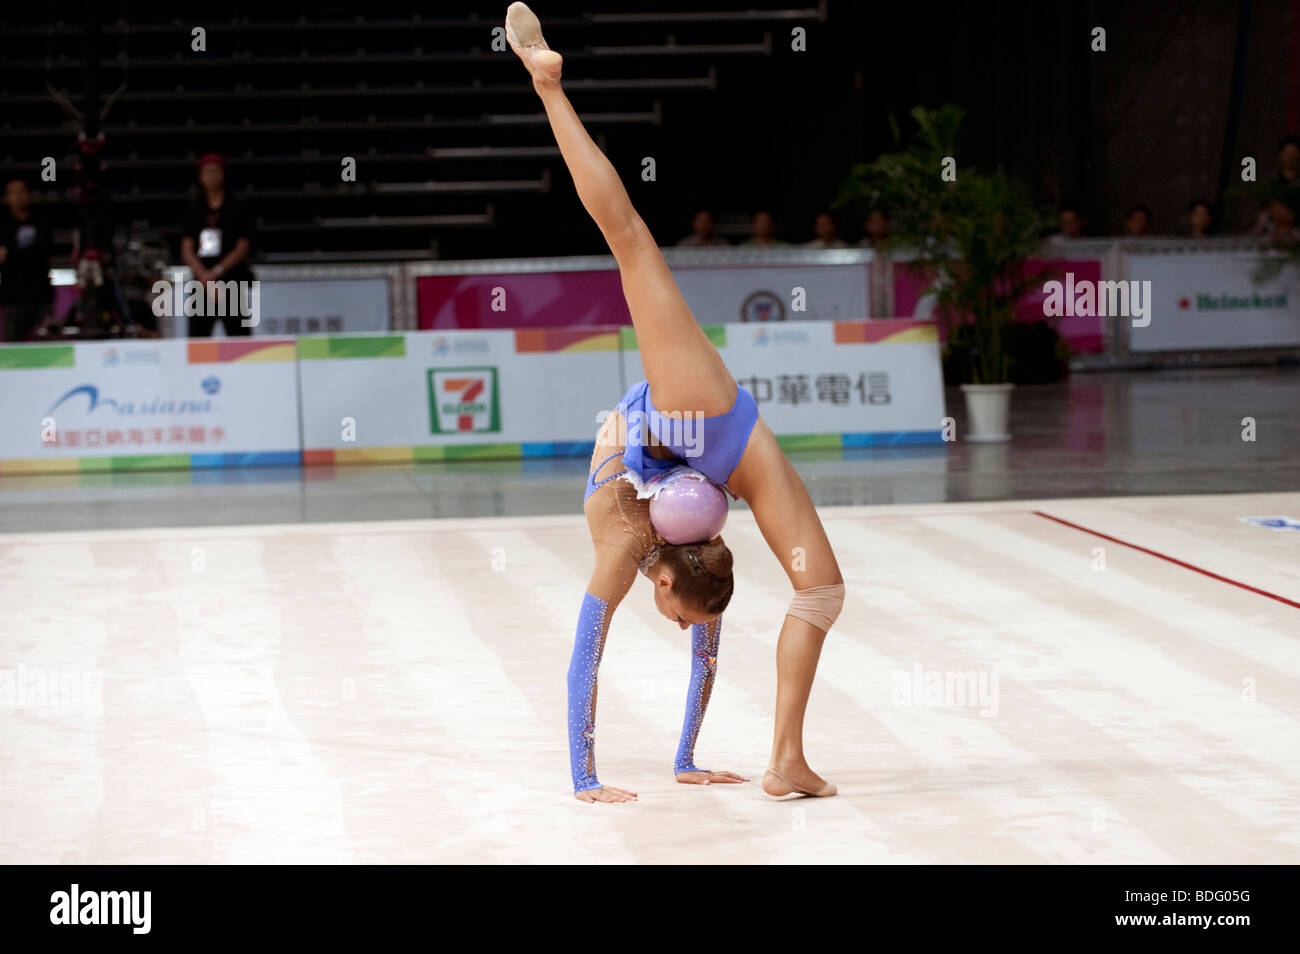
(524, 34)
(606, 794)
(705, 778)
(795, 776)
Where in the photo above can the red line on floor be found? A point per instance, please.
(1173, 560)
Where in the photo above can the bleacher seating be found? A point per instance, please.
(448, 138)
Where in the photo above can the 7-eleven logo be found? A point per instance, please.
(463, 400)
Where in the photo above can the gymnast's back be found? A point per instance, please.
(619, 522)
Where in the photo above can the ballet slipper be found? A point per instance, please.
(826, 791)
(524, 34)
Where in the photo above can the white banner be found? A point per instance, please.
(305, 306)
(433, 395)
(1210, 302)
(324, 306)
(398, 394)
(876, 382)
(724, 294)
(199, 403)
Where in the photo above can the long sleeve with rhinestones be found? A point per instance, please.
(704, 665)
(588, 645)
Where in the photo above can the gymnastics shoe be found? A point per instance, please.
(524, 34)
(826, 791)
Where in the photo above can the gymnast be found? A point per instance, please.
(712, 427)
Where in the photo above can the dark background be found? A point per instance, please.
(740, 122)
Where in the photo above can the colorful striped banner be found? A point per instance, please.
(533, 340)
(808, 442)
(715, 333)
(326, 347)
(251, 349)
(552, 341)
(892, 330)
(73, 465)
(23, 356)
(447, 452)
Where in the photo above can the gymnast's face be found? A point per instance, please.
(670, 607)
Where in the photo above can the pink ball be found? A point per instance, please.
(689, 508)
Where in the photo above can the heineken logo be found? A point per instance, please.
(1230, 302)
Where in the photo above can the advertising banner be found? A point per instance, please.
(110, 405)
(324, 306)
(521, 300)
(435, 395)
(303, 306)
(533, 392)
(755, 293)
(835, 384)
(751, 293)
(1212, 302)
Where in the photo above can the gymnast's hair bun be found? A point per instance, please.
(715, 557)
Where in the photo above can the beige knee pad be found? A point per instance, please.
(819, 605)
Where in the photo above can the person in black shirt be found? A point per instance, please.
(1283, 188)
(216, 243)
(25, 292)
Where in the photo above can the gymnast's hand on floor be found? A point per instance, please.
(607, 793)
(705, 778)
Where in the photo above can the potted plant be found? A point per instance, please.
(973, 233)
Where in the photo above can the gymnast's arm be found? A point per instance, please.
(612, 577)
(704, 667)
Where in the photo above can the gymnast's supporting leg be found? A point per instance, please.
(788, 520)
(809, 617)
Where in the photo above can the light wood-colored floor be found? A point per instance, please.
(395, 692)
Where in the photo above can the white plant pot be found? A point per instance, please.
(987, 406)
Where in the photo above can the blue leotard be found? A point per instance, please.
(711, 445)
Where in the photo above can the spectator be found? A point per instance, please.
(1137, 221)
(1283, 219)
(1288, 159)
(1284, 181)
(876, 229)
(880, 270)
(1071, 221)
(824, 229)
(1280, 223)
(25, 291)
(1200, 218)
(216, 243)
(702, 232)
(762, 230)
